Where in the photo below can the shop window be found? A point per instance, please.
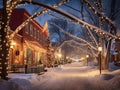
(35, 32)
(36, 57)
(38, 35)
(31, 30)
(17, 52)
(28, 56)
(27, 29)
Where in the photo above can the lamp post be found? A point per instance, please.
(100, 49)
(87, 59)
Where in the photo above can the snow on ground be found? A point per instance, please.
(74, 76)
(113, 67)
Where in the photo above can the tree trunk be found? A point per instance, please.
(111, 31)
(4, 48)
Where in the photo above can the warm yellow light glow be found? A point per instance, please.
(87, 56)
(11, 46)
(59, 55)
(67, 57)
(82, 58)
(13, 43)
(100, 48)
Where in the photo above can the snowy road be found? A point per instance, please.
(69, 77)
(73, 76)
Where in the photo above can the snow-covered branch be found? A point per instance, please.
(85, 45)
(80, 39)
(92, 37)
(34, 16)
(81, 49)
(75, 19)
(70, 41)
(89, 32)
(101, 15)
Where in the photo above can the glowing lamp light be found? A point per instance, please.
(100, 48)
(12, 44)
(87, 56)
(59, 55)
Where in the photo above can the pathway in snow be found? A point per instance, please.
(73, 77)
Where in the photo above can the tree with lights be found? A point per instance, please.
(102, 19)
(9, 5)
(5, 37)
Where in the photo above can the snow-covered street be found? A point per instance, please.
(59, 45)
(77, 77)
(72, 76)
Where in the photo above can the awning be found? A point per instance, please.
(35, 45)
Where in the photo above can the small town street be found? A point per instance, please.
(59, 44)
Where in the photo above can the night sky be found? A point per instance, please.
(76, 11)
(75, 4)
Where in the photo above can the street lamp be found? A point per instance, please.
(100, 49)
(59, 55)
(87, 56)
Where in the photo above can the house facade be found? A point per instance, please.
(115, 51)
(30, 44)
